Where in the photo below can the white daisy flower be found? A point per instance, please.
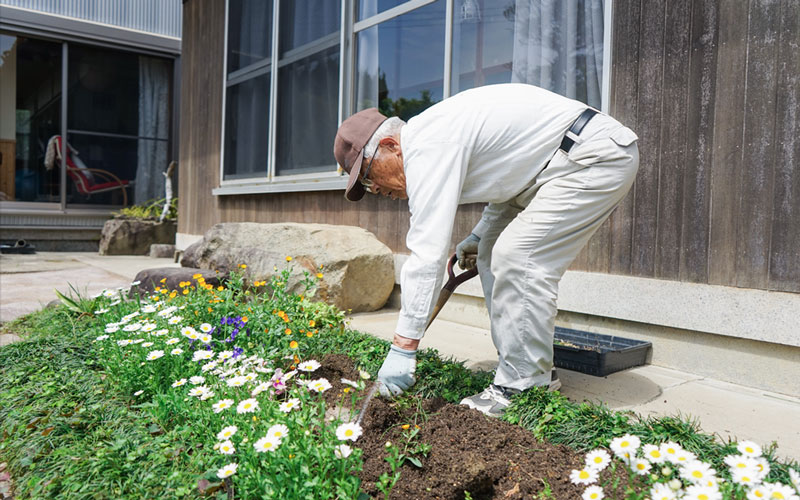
(350, 430)
(758, 492)
(593, 493)
(697, 492)
(138, 393)
(147, 344)
(227, 432)
(745, 477)
(780, 491)
(112, 329)
(208, 366)
(222, 404)
(130, 316)
(250, 377)
(263, 386)
(198, 391)
(351, 383)
(223, 355)
(278, 431)
(670, 450)
(132, 327)
(762, 466)
(175, 320)
(640, 466)
(101, 311)
(160, 333)
(247, 406)
(207, 395)
(653, 454)
(697, 472)
(137, 341)
(176, 352)
(749, 449)
(167, 312)
(101, 337)
(172, 341)
(202, 355)
(206, 339)
(123, 342)
(266, 444)
(625, 447)
(153, 355)
(115, 303)
(661, 491)
(583, 476)
(236, 381)
(320, 385)
(188, 330)
(308, 366)
(206, 328)
(794, 476)
(735, 462)
(227, 471)
(684, 456)
(597, 459)
(149, 327)
(289, 405)
(109, 293)
(262, 369)
(179, 383)
(342, 451)
(197, 380)
(226, 448)
(148, 308)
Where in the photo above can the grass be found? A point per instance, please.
(72, 430)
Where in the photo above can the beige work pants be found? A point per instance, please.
(523, 256)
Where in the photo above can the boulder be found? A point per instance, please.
(358, 270)
(148, 279)
(162, 250)
(134, 236)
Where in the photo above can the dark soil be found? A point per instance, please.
(469, 452)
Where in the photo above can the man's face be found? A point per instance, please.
(387, 176)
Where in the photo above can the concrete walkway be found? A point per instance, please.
(730, 411)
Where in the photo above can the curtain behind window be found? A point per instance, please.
(558, 45)
(153, 122)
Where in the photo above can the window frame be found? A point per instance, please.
(348, 28)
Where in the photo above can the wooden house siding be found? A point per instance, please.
(712, 88)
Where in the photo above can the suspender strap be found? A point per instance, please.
(576, 128)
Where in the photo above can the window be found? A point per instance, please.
(306, 100)
(401, 56)
(400, 62)
(556, 45)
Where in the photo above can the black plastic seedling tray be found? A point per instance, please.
(597, 354)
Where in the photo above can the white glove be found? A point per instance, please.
(397, 372)
(466, 251)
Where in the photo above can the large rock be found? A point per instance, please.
(358, 270)
(134, 236)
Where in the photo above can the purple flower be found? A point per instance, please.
(237, 351)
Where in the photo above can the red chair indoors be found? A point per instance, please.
(88, 181)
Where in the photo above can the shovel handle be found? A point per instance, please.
(456, 280)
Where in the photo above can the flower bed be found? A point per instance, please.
(244, 397)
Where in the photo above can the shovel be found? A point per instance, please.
(444, 295)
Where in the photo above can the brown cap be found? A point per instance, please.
(348, 147)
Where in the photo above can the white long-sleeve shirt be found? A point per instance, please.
(482, 145)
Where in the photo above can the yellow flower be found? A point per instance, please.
(309, 334)
(293, 344)
(346, 389)
(288, 331)
(288, 259)
(197, 276)
(185, 291)
(173, 294)
(244, 319)
(312, 323)
(210, 309)
(220, 288)
(163, 280)
(164, 290)
(319, 275)
(243, 266)
(405, 426)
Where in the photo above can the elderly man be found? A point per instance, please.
(550, 169)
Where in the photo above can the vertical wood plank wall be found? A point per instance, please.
(712, 88)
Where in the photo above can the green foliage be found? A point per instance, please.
(150, 209)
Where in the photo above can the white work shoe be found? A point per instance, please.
(494, 400)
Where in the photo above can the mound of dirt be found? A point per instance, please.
(470, 452)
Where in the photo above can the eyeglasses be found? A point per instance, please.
(367, 183)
